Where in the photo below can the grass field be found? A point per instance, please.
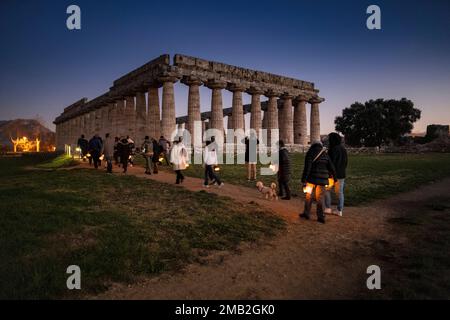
(114, 227)
(369, 177)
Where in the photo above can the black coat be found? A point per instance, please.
(254, 142)
(338, 155)
(284, 165)
(123, 150)
(320, 170)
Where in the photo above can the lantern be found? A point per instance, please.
(330, 183)
(216, 168)
(308, 188)
(78, 149)
(101, 157)
(88, 155)
(161, 159)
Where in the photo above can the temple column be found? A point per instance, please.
(286, 126)
(168, 120)
(154, 115)
(216, 121)
(230, 121)
(130, 117)
(272, 117)
(255, 116)
(315, 119)
(193, 102)
(300, 130)
(92, 124)
(86, 125)
(120, 118)
(141, 117)
(264, 121)
(237, 107)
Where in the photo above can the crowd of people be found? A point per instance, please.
(324, 169)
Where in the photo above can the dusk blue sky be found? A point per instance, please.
(45, 67)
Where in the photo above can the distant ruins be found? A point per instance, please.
(131, 106)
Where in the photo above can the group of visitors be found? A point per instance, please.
(122, 151)
(323, 171)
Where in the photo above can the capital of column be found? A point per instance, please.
(272, 93)
(216, 84)
(316, 100)
(190, 80)
(301, 98)
(286, 96)
(255, 91)
(169, 76)
(236, 87)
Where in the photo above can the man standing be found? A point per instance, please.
(338, 156)
(124, 151)
(95, 148)
(284, 171)
(147, 151)
(108, 152)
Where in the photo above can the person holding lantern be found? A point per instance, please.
(179, 159)
(210, 161)
(316, 174)
(338, 156)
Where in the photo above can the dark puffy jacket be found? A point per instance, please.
(254, 142)
(95, 146)
(83, 144)
(320, 170)
(284, 169)
(338, 155)
(124, 150)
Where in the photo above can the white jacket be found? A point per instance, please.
(210, 155)
(178, 156)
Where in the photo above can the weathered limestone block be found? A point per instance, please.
(120, 118)
(130, 117)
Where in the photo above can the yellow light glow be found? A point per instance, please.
(308, 188)
(217, 168)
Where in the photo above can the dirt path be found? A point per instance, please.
(308, 260)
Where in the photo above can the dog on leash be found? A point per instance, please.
(269, 193)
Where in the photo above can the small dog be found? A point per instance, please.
(269, 193)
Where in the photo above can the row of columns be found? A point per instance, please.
(130, 116)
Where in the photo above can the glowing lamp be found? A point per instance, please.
(308, 188)
(161, 159)
(88, 155)
(101, 157)
(330, 183)
(78, 149)
(216, 168)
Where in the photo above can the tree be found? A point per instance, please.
(377, 122)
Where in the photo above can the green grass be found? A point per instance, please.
(115, 228)
(62, 161)
(369, 177)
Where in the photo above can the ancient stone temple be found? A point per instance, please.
(131, 106)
